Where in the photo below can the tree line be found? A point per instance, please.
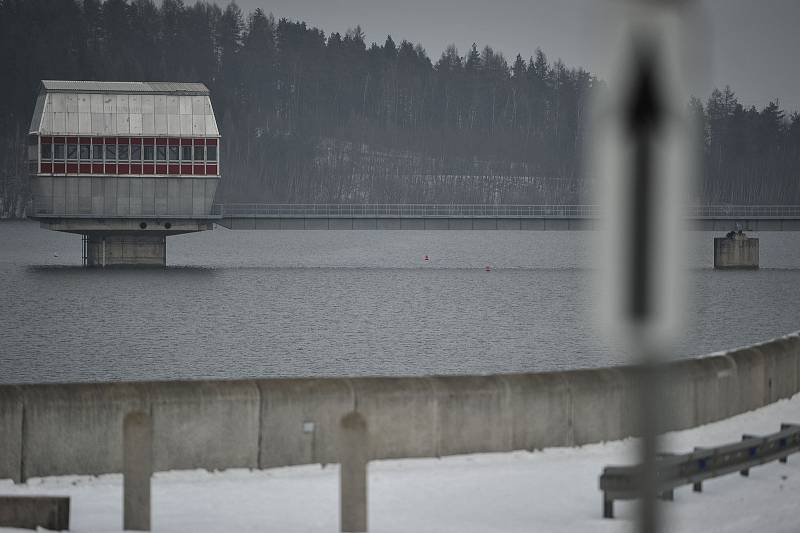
(314, 117)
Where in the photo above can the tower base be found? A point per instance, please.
(146, 249)
(125, 241)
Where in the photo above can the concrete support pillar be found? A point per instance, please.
(354, 456)
(608, 507)
(143, 249)
(137, 469)
(736, 251)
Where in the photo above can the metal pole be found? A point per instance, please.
(649, 520)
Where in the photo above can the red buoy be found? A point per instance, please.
(426, 258)
(488, 268)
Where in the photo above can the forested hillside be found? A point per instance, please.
(309, 116)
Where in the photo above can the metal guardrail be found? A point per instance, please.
(480, 211)
(623, 482)
(745, 211)
(408, 210)
(723, 212)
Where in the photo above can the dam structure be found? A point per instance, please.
(125, 164)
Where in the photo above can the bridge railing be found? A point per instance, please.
(745, 211)
(408, 210)
(726, 212)
(482, 211)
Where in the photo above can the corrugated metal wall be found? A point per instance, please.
(123, 196)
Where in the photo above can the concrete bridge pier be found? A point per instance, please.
(736, 251)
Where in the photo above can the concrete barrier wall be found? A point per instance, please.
(77, 429)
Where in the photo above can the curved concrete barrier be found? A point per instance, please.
(77, 429)
(204, 424)
(300, 418)
(11, 433)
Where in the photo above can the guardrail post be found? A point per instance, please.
(746, 471)
(608, 506)
(785, 458)
(137, 469)
(354, 457)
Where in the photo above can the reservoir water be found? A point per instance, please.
(255, 304)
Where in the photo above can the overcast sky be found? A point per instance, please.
(752, 44)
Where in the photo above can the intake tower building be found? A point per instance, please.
(125, 164)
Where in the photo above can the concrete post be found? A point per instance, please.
(137, 469)
(353, 474)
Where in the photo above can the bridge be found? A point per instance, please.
(481, 217)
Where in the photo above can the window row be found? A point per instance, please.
(123, 152)
(133, 150)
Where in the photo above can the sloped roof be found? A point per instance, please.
(138, 87)
(123, 108)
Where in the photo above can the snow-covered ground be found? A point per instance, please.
(551, 490)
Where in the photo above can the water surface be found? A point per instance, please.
(250, 304)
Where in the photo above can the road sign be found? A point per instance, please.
(642, 154)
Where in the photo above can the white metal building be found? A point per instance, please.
(123, 149)
(125, 164)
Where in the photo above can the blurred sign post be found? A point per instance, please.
(642, 153)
